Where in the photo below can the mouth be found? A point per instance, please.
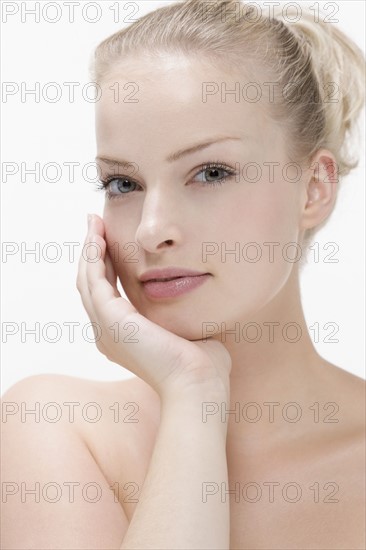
(163, 280)
(172, 287)
(168, 274)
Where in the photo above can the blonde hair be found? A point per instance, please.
(327, 67)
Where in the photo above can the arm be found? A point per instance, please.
(46, 468)
(188, 453)
(172, 512)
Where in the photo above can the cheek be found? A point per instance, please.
(261, 221)
(281, 216)
(120, 245)
(257, 251)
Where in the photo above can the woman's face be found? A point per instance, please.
(174, 213)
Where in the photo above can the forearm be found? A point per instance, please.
(172, 512)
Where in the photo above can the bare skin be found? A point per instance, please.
(320, 453)
(170, 452)
(121, 451)
(311, 453)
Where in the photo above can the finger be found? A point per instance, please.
(96, 227)
(81, 281)
(111, 274)
(101, 290)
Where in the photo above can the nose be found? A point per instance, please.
(159, 226)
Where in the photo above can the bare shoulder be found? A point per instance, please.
(349, 391)
(116, 421)
(345, 440)
(83, 404)
(341, 375)
(60, 431)
(45, 398)
(347, 457)
(56, 390)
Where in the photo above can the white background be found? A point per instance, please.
(47, 212)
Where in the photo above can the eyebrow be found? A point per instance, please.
(179, 154)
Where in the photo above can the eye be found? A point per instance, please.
(212, 172)
(117, 185)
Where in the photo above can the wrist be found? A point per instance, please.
(196, 392)
(198, 404)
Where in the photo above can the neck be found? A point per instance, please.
(279, 368)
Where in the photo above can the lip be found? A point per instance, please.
(172, 288)
(171, 282)
(169, 273)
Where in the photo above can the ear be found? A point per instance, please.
(320, 189)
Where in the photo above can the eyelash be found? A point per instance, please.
(103, 184)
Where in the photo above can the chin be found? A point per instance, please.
(182, 325)
(185, 319)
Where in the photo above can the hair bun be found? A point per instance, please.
(339, 65)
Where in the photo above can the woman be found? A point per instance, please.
(222, 134)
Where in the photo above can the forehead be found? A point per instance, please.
(175, 98)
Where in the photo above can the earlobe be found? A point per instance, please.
(321, 189)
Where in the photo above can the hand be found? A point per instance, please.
(164, 360)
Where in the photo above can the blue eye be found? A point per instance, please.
(116, 186)
(213, 168)
(122, 187)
